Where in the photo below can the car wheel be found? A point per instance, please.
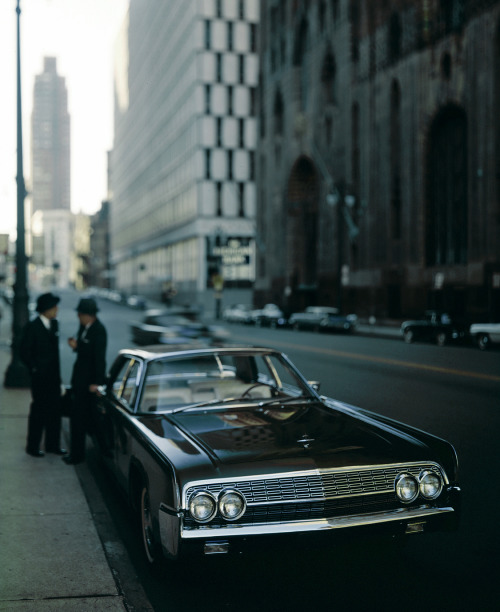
(408, 336)
(149, 545)
(441, 339)
(483, 341)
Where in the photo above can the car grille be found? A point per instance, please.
(313, 495)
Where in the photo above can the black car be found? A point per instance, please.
(222, 449)
(174, 325)
(436, 327)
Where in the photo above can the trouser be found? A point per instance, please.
(80, 423)
(45, 415)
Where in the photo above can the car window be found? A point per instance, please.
(124, 385)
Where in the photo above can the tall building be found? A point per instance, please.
(50, 141)
(183, 162)
(52, 221)
(379, 155)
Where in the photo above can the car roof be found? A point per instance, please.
(157, 351)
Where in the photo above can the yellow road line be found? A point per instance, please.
(389, 361)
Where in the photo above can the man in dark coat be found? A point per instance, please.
(89, 372)
(39, 350)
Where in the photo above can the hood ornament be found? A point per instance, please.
(305, 440)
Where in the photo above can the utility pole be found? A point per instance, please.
(17, 374)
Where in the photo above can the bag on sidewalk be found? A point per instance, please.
(66, 402)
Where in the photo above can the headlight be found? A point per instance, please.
(430, 485)
(202, 507)
(406, 488)
(232, 505)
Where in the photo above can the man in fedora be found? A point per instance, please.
(89, 372)
(39, 350)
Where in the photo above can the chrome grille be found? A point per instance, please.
(315, 485)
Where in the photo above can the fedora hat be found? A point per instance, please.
(46, 301)
(87, 306)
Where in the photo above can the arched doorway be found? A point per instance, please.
(302, 233)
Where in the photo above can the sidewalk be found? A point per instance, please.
(51, 557)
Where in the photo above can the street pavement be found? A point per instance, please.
(51, 555)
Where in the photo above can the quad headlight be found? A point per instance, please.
(430, 485)
(202, 507)
(232, 505)
(407, 488)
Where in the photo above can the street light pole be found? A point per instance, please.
(16, 374)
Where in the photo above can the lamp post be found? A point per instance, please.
(339, 198)
(16, 374)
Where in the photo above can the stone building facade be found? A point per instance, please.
(378, 174)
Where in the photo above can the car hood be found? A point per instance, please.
(305, 436)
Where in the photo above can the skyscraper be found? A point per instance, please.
(50, 144)
(50, 177)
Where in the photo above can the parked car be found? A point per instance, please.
(436, 327)
(222, 448)
(174, 325)
(269, 316)
(323, 318)
(237, 313)
(485, 334)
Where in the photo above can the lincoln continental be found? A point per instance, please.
(220, 449)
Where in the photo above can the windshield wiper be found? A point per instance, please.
(285, 400)
(212, 402)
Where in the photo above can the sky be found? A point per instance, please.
(81, 34)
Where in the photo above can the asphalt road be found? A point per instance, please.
(452, 392)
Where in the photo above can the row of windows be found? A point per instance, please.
(230, 167)
(213, 39)
(231, 107)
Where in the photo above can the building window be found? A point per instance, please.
(253, 38)
(219, 131)
(207, 99)
(446, 190)
(208, 158)
(241, 133)
(218, 67)
(278, 113)
(241, 68)
(328, 71)
(230, 35)
(230, 165)
(208, 37)
(355, 16)
(395, 35)
(253, 101)
(395, 152)
(218, 9)
(218, 196)
(241, 199)
(230, 95)
(241, 9)
(251, 162)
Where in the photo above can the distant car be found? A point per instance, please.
(323, 318)
(174, 325)
(485, 334)
(269, 316)
(237, 313)
(225, 449)
(137, 301)
(436, 327)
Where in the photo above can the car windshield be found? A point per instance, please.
(210, 379)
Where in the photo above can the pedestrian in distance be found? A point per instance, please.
(39, 350)
(89, 372)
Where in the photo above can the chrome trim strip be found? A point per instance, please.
(305, 473)
(376, 518)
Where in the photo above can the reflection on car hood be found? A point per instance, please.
(283, 435)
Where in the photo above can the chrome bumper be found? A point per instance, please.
(376, 518)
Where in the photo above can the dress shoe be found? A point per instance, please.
(68, 460)
(36, 453)
(58, 451)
